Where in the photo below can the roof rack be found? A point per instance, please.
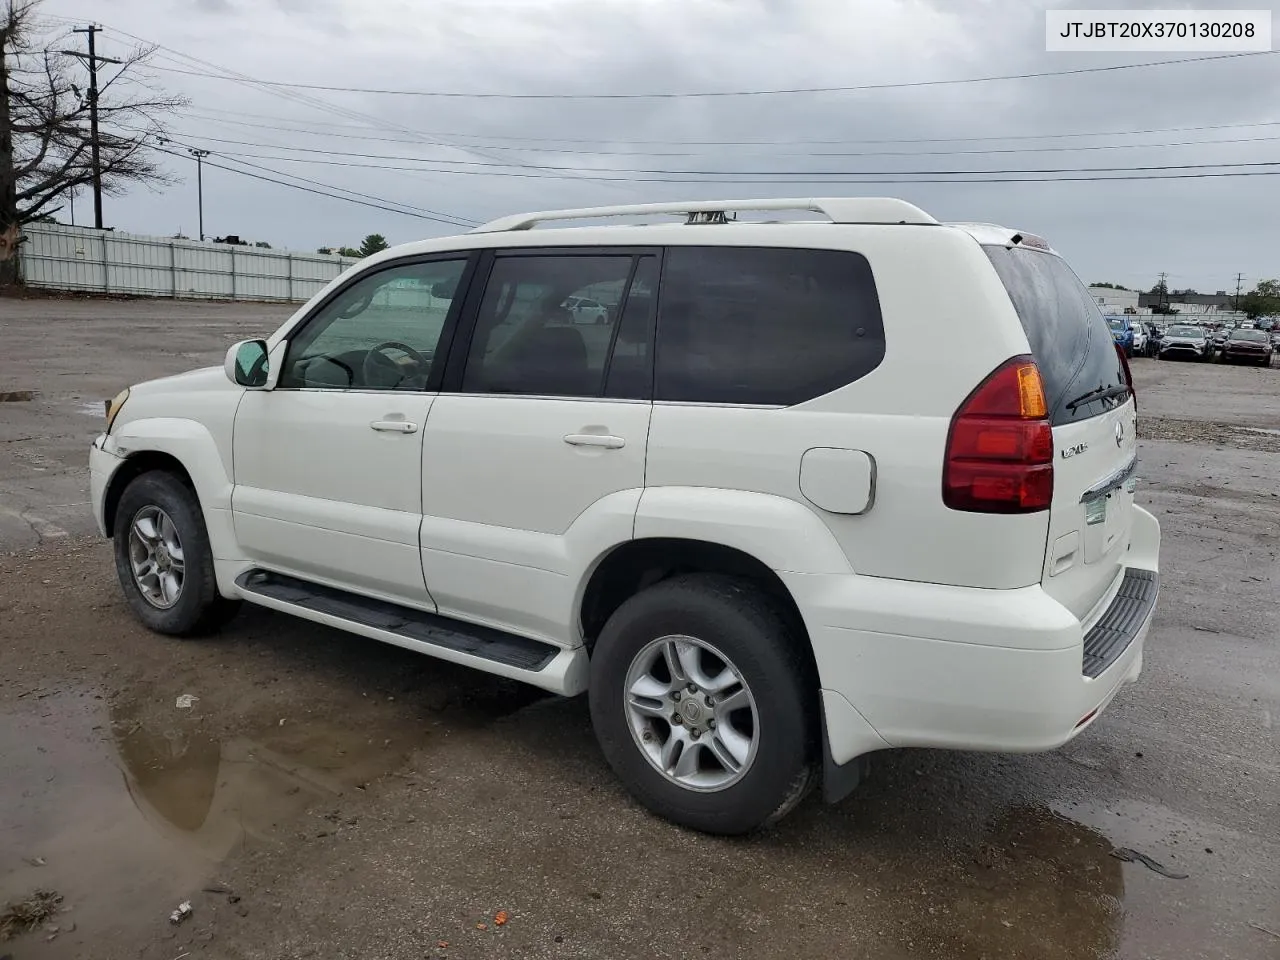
(837, 209)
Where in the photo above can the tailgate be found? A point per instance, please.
(1092, 412)
(1092, 512)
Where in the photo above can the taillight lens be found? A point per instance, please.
(1000, 447)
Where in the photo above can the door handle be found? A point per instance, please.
(394, 426)
(595, 440)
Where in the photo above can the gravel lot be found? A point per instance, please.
(325, 796)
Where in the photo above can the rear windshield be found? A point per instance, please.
(1069, 338)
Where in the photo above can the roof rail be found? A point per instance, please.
(837, 209)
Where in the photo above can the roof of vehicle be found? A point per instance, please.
(517, 230)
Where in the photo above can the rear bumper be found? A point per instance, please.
(922, 665)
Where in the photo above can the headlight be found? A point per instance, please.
(113, 406)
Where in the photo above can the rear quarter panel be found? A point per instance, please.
(948, 323)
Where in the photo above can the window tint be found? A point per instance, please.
(764, 326)
(546, 324)
(630, 374)
(1071, 342)
(1257, 336)
(379, 333)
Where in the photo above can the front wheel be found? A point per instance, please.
(163, 558)
(703, 704)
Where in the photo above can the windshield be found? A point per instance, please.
(1248, 335)
(1117, 325)
(1184, 331)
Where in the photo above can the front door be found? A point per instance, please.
(534, 455)
(327, 464)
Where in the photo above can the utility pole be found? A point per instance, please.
(1164, 290)
(199, 155)
(1235, 304)
(92, 59)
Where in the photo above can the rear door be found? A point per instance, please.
(1093, 415)
(534, 455)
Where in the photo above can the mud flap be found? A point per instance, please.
(840, 780)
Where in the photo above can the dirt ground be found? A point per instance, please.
(320, 795)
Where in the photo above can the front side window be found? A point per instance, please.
(379, 333)
(768, 326)
(545, 326)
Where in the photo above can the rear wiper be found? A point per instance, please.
(1101, 393)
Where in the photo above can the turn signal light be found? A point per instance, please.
(999, 456)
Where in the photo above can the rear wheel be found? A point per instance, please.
(163, 558)
(701, 704)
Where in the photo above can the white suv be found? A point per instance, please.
(765, 532)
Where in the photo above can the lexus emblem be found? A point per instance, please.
(1119, 434)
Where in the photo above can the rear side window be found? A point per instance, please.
(764, 326)
(1069, 338)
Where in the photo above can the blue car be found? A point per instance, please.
(1122, 333)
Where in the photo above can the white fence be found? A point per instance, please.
(81, 258)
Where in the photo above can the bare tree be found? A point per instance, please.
(45, 143)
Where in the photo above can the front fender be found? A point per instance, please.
(188, 442)
(197, 450)
(781, 533)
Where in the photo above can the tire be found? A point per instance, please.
(163, 503)
(754, 637)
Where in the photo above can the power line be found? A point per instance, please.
(809, 153)
(850, 177)
(818, 175)
(305, 99)
(682, 95)
(382, 205)
(327, 128)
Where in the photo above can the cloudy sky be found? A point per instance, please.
(474, 158)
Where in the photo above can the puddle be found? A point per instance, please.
(127, 810)
(1038, 885)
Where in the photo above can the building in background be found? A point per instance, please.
(1112, 301)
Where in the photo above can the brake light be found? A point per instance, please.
(999, 456)
(1128, 376)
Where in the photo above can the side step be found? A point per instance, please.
(406, 626)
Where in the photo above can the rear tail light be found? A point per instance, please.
(999, 455)
(1128, 376)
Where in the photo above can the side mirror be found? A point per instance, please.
(246, 363)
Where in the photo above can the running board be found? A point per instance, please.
(494, 651)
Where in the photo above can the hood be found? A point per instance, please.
(206, 378)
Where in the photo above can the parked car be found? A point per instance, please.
(1140, 338)
(585, 310)
(1123, 332)
(1153, 338)
(1185, 340)
(761, 537)
(1247, 346)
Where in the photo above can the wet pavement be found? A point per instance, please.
(321, 795)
